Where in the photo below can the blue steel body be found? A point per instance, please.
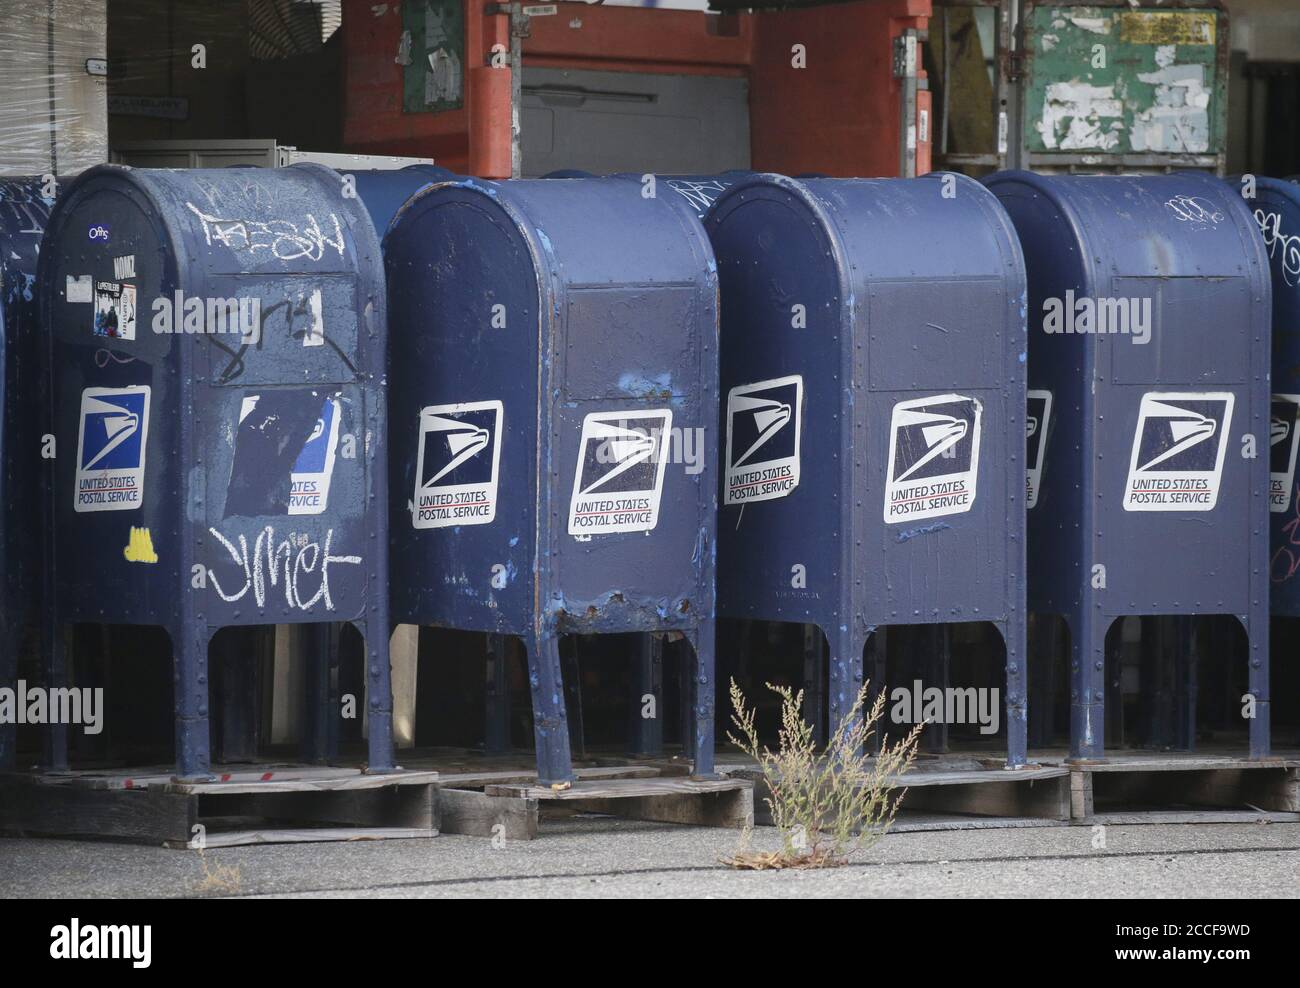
(557, 299)
(1276, 208)
(699, 191)
(24, 212)
(1188, 242)
(383, 191)
(257, 470)
(908, 294)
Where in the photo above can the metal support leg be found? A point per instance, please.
(1257, 632)
(1087, 686)
(686, 680)
(550, 722)
(875, 657)
(645, 702)
(845, 678)
(379, 689)
(1014, 635)
(190, 658)
(497, 696)
(702, 644)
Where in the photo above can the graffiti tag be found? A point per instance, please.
(298, 562)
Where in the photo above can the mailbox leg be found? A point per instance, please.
(645, 713)
(687, 698)
(875, 658)
(1257, 631)
(550, 722)
(379, 689)
(190, 658)
(845, 677)
(1014, 635)
(1087, 686)
(497, 696)
(704, 690)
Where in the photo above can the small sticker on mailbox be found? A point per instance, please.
(1178, 450)
(1283, 439)
(620, 472)
(114, 310)
(456, 465)
(111, 443)
(934, 448)
(1037, 421)
(763, 433)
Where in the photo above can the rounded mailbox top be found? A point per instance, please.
(942, 225)
(1188, 224)
(586, 231)
(221, 220)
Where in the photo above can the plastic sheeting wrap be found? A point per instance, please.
(53, 110)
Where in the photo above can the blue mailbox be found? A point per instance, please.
(216, 343)
(1276, 207)
(383, 190)
(24, 211)
(873, 387)
(553, 391)
(1148, 380)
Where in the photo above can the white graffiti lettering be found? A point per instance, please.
(1191, 209)
(282, 238)
(293, 559)
(1270, 225)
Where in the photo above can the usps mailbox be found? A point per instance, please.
(553, 395)
(216, 339)
(1148, 376)
(873, 408)
(24, 211)
(383, 190)
(1276, 208)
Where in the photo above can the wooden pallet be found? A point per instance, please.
(509, 804)
(1185, 787)
(961, 793)
(244, 805)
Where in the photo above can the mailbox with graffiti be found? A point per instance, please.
(216, 339)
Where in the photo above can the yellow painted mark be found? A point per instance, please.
(140, 548)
